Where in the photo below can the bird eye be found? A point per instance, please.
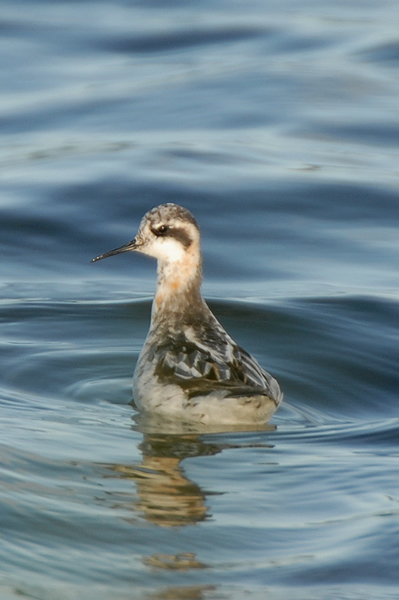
(161, 230)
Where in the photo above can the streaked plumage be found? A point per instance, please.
(190, 368)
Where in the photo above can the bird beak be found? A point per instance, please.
(133, 245)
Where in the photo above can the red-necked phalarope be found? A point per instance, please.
(190, 368)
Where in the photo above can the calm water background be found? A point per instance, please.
(277, 125)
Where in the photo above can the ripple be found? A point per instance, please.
(182, 39)
(364, 435)
(387, 53)
(335, 357)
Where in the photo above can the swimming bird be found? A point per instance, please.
(190, 368)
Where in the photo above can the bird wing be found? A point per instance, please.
(214, 362)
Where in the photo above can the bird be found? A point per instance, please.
(190, 369)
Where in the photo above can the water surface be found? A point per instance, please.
(276, 124)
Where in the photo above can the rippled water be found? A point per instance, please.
(277, 125)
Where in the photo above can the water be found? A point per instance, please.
(276, 124)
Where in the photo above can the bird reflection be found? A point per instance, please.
(165, 495)
(196, 592)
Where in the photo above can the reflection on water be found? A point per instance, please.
(166, 496)
(198, 592)
(183, 561)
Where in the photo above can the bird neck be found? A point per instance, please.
(178, 292)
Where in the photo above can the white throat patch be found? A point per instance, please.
(166, 249)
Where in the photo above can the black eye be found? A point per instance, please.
(161, 230)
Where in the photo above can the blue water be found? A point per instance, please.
(276, 124)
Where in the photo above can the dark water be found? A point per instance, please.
(277, 125)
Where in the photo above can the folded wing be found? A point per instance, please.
(201, 368)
